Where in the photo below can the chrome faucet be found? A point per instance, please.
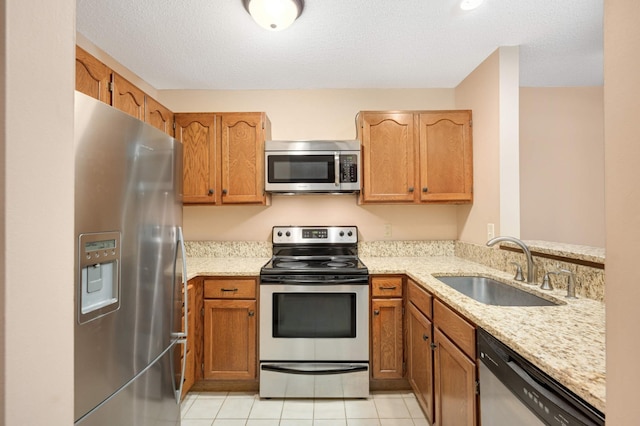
(531, 275)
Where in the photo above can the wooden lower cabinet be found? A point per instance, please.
(230, 330)
(386, 339)
(455, 371)
(420, 372)
(387, 327)
(455, 384)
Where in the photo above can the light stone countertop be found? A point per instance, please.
(567, 341)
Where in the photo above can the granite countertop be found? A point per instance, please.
(566, 341)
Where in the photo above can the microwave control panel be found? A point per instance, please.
(348, 168)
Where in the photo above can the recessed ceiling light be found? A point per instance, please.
(470, 4)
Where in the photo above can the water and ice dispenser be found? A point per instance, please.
(99, 274)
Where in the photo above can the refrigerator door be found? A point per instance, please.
(148, 400)
(128, 190)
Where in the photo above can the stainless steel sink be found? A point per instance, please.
(491, 292)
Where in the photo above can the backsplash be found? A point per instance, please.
(586, 263)
(406, 248)
(228, 249)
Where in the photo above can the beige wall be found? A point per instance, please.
(622, 207)
(562, 164)
(479, 92)
(311, 114)
(36, 212)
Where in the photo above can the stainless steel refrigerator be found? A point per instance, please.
(130, 270)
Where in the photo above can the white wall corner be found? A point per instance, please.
(509, 140)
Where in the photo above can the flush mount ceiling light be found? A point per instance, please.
(274, 15)
(470, 4)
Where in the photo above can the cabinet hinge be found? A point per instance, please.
(477, 387)
(174, 125)
(202, 312)
(470, 123)
(202, 368)
(433, 346)
(111, 86)
(403, 311)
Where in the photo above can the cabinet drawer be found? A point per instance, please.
(242, 288)
(386, 286)
(420, 298)
(461, 332)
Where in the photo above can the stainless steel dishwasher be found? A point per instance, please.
(515, 392)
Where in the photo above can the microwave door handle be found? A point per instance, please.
(337, 169)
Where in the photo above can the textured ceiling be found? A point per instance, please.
(214, 44)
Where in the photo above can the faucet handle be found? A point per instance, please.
(518, 276)
(571, 283)
(546, 282)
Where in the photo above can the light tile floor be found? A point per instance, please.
(247, 409)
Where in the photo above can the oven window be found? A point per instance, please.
(314, 315)
(301, 168)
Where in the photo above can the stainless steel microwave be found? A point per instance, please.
(312, 166)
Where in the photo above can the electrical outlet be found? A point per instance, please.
(387, 230)
(491, 232)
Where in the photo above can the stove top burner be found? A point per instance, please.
(291, 264)
(333, 264)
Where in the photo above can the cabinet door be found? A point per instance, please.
(389, 149)
(189, 375)
(230, 339)
(159, 116)
(446, 164)
(92, 76)
(386, 339)
(420, 371)
(455, 384)
(197, 132)
(127, 97)
(242, 136)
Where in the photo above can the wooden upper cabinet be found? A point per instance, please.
(242, 142)
(389, 151)
(159, 116)
(446, 164)
(127, 97)
(92, 76)
(197, 132)
(416, 157)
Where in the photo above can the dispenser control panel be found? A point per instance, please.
(99, 274)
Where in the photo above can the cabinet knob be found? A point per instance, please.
(224, 191)
(251, 313)
(425, 189)
(376, 312)
(425, 337)
(411, 189)
(210, 191)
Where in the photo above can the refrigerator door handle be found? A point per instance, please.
(181, 336)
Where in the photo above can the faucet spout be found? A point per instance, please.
(530, 265)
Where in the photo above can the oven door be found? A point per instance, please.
(314, 322)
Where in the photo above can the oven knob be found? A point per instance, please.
(288, 234)
(350, 233)
(342, 233)
(279, 233)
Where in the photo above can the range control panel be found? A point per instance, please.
(315, 234)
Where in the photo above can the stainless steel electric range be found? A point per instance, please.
(314, 315)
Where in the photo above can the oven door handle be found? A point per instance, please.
(314, 371)
(282, 280)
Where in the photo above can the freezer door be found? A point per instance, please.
(149, 400)
(128, 182)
